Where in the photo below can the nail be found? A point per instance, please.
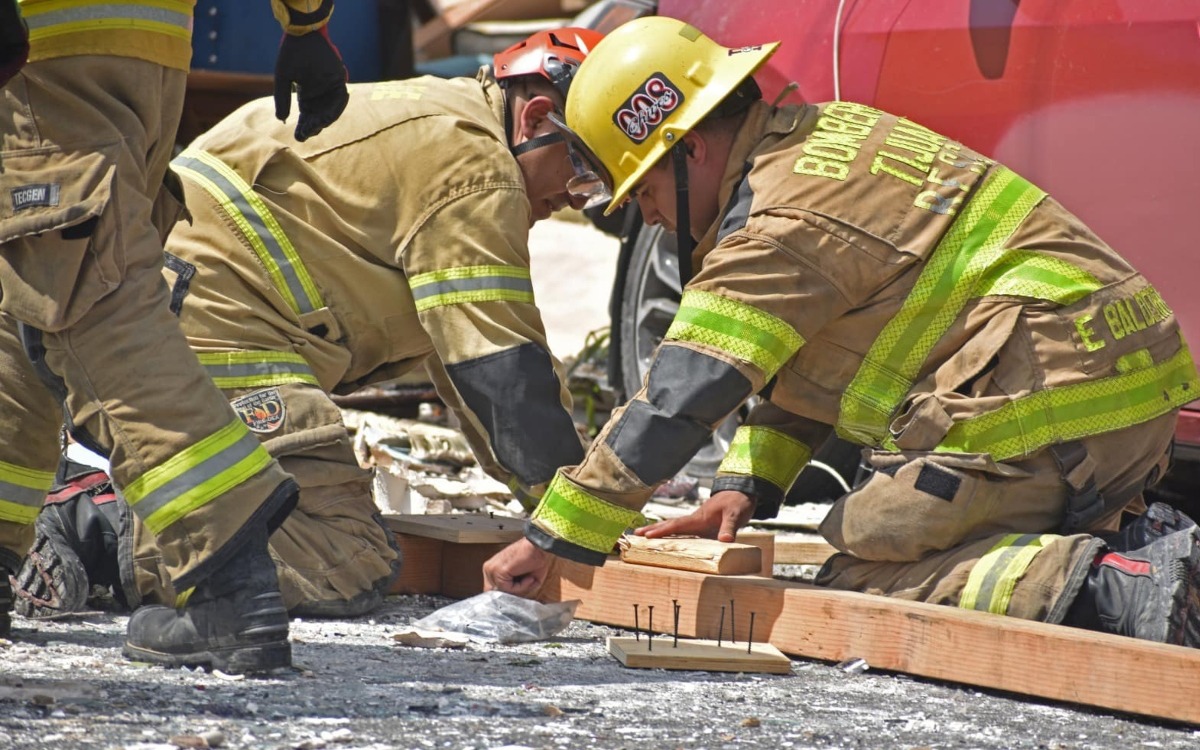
(650, 629)
(750, 638)
(636, 634)
(676, 603)
(721, 627)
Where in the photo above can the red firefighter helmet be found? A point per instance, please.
(554, 54)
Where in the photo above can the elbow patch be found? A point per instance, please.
(656, 437)
(515, 396)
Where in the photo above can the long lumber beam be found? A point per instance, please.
(943, 643)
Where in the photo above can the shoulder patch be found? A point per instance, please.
(262, 411)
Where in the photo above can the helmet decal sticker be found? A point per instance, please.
(647, 107)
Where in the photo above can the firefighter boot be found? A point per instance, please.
(74, 546)
(1152, 593)
(1158, 521)
(234, 620)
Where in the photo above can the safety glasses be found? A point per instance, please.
(590, 181)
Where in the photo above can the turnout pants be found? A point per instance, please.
(965, 531)
(84, 145)
(333, 553)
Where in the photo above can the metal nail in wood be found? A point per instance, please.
(721, 627)
(636, 634)
(675, 602)
(650, 629)
(750, 636)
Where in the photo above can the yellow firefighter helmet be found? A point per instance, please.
(643, 88)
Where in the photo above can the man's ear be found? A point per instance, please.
(534, 116)
(697, 147)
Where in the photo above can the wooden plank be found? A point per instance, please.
(462, 568)
(421, 569)
(765, 541)
(939, 642)
(459, 528)
(801, 549)
(702, 656)
(691, 553)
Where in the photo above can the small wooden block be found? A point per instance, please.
(462, 568)
(702, 656)
(689, 553)
(421, 568)
(802, 549)
(459, 528)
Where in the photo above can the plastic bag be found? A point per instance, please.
(501, 617)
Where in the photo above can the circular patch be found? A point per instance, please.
(262, 411)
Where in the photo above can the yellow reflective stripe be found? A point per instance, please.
(22, 492)
(765, 453)
(736, 329)
(1071, 412)
(570, 513)
(249, 369)
(52, 19)
(950, 277)
(1022, 273)
(196, 476)
(471, 284)
(257, 225)
(992, 580)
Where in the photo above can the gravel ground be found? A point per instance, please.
(64, 684)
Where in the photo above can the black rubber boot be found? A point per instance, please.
(234, 620)
(1151, 593)
(1158, 521)
(74, 547)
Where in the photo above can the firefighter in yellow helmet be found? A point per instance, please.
(1013, 381)
(87, 129)
(396, 240)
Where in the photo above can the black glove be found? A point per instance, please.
(14, 40)
(313, 65)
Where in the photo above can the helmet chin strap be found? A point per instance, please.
(542, 140)
(684, 244)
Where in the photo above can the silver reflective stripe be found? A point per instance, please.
(108, 12)
(19, 495)
(253, 225)
(165, 494)
(471, 285)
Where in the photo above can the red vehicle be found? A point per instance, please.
(1096, 101)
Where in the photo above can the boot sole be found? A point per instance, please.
(52, 581)
(241, 660)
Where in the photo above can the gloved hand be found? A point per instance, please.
(313, 65)
(14, 40)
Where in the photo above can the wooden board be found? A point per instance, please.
(801, 549)
(459, 528)
(462, 568)
(421, 568)
(944, 643)
(702, 656)
(691, 553)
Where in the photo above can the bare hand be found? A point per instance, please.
(518, 569)
(718, 518)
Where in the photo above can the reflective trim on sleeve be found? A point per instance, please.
(22, 492)
(991, 582)
(197, 475)
(1071, 412)
(735, 328)
(169, 17)
(570, 513)
(973, 244)
(1023, 273)
(466, 284)
(257, 225)
(256, 369)
(765, 453)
